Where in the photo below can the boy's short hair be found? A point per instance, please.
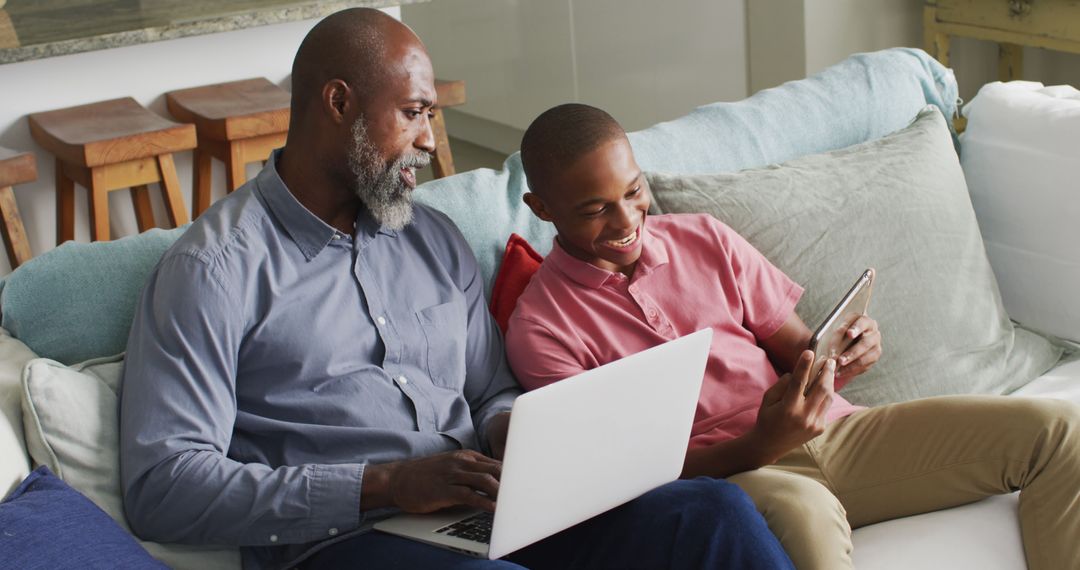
(562, 134)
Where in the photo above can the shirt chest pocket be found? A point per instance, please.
(445, 333)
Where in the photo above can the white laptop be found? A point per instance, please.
(623, 426)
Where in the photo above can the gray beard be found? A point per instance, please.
(378, 185)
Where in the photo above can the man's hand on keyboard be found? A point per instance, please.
(445, 480)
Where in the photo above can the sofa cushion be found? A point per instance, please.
(76, 301)
(861, 98)
(14, 464)
(898, 204)
(519, 262)
(47, 524)
(71, 417)
(1029, 215)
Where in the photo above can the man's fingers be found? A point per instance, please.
(481, 482)
(468, 497)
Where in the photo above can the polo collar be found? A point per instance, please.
(653, 254)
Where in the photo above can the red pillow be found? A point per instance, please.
(519, 262)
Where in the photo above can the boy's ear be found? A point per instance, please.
(537, 206)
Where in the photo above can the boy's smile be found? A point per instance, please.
(598, 204)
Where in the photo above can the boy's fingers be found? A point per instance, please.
(800, 377)
(860, 326)
(867, 342)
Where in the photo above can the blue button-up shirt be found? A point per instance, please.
(272, 358)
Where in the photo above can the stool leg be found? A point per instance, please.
(15, 242)
(144, 213)
(170, 187)
(235, 173)
(442, 164)
(204, 164)
(65, 205)
(99, 206)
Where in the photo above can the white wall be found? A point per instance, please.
(790, 39)
(144, 72)
(641, 60)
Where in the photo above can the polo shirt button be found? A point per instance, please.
(332, 532)
(273, 538)
(402, 380)
(652, 313)
(381, 321)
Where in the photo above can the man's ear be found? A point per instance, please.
(335, 99)
(537, 206)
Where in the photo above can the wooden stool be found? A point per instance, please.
(109, 146)
(450, 93)
(15, 168)
(238, 123)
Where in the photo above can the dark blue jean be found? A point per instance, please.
(701, 523)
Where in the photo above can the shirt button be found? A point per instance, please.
(652, 313)
(402, 380)
(273, 538)
(337, 236)
(381, 321)
(332, 532)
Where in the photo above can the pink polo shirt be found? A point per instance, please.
(694, 272)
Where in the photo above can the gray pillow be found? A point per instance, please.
(898, 204)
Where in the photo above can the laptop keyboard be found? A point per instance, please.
(476, 527)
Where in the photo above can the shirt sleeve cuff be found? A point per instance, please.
(783, 311)
(335, 498)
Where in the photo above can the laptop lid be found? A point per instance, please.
(587, 444)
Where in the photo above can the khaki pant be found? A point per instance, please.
(915, 457)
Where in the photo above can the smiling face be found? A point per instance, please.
(392, 137)
(598, 205)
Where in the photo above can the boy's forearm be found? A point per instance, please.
(727, 458)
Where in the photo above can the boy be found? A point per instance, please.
(617, 282)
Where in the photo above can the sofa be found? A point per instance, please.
(855, 166)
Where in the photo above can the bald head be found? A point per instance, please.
(353, 45)
(561, 135)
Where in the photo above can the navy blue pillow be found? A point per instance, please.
(45, 524)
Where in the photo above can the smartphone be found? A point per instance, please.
(830, 340)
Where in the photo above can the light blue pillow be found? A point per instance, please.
(861, 98)
(76, 302)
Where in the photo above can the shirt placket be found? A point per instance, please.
(651, 312)
(393, 344)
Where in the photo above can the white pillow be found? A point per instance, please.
(1021, 157)
(71, 417)
(14, 464)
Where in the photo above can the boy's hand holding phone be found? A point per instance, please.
(793, 410)
(863, 353)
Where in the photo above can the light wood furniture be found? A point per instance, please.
(450, 94)
(238, 123)
(1051, 24)
(112, 145)
(15, 168)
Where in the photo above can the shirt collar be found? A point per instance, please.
(653, 254)
(310, 234)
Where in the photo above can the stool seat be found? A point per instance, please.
(234, 110)
(112, 145)
(238, 122)
(15, 168)
(108, 132)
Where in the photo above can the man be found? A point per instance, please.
(619, 281)
(315, 354)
